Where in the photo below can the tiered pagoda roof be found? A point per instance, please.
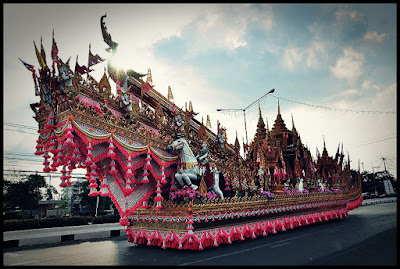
(279, 125)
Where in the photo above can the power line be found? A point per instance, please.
(336, 109)
(19, 159)
(373, 139)
(19, 153)
(34, 157)
(11, 171)
(17, 125)
(19, 131)
(372, 142)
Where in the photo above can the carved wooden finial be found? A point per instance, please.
(170, 96)
(208, 123)
(149, 79)
(190, 106)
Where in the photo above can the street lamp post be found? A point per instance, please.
(244, 111)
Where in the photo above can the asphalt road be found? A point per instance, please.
(366, 237)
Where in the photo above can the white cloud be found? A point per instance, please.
(310, 57)
(225, 26)
(343, 14)
(217, 28)
(350, 65)
(374, 36)
(292, 57)
(314, 54)
(350, 92)
(367, 84)
(385, 100)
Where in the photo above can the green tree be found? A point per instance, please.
(367, 183)
(23, 194)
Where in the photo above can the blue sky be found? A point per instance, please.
(339, 56)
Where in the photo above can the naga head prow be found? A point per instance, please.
(116, 74)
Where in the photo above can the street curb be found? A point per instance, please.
(380, 201)
(31, 239)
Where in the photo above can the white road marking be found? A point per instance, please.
(260, 246)
(33, 261)
(279, 245)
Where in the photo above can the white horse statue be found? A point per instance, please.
(190, 169)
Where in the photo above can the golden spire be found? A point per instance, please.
(237, 145)
(261, 133)
(170, 96)
(293, 127)
(149, 79)
(208, 123)
(279, 108)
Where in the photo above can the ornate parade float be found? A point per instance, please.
(176, 183)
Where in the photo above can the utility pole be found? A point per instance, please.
(50, 190)
(384, 164)
(97, 205)
(373, 178)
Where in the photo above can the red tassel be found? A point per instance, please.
(124, 221)
(104, 187)
(111, 148)
(113, 170)
(46, 162)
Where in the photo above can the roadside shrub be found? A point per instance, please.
(24, 224)
(106, 219)
(20, 224)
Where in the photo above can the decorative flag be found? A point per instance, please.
(81, 69)
(28, 66)
(54, 50)
(42, 52)
(145, 88)
(39, 57)
(94, 59)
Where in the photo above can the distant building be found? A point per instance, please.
(70, 194)
(48, 208)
